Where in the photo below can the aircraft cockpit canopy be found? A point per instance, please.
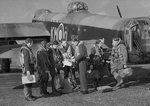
(77, 6)
(41, 13)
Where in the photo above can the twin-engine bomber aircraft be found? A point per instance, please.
(80, 23)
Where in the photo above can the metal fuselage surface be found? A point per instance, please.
(90, 27)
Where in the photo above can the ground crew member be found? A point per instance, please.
(27, 60)
(58, 58)
(118, 59)
(80, 57)
(52, 68)
(103, 51)
(95, 64)
(43, 67)
(67, 52)
(102, 48)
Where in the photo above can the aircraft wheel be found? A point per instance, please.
(5, 65)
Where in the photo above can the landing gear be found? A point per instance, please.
(5, 65)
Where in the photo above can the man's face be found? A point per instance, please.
(98, 45)
(75, 43)
(114, 43)
(51, 46)
(29, 44)
(102, 41)
(55, 46)
(64, 43)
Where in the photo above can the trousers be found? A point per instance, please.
(27, 90)
(83, 75)
(43, 83)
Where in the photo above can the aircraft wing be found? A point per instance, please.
(23, 30)
(11, 33)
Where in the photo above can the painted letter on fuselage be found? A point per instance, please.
(58, 33)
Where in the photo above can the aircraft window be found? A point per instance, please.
(65, 27)
(84, 30)
(145, 23)
(134, 28)
(78, 29)
(145, 34)
(74, 37)
(127, 32)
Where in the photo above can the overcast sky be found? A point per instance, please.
(12, 11)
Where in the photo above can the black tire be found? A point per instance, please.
(5, 65)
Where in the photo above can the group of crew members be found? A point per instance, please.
(48, 61)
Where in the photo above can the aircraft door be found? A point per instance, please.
(132, 36)
(133, 42)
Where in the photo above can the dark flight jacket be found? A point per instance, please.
(51, 58)
(58, 58)
(43, 62)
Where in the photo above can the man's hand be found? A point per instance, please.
(124, 66)
(47, 71)
(28, 72)
(91, 67)
(73, 60)
(72, 57)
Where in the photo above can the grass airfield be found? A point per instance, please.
(134, 94)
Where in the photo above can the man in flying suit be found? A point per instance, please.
(27, 61)
(43, 67)
(119, 59)
(52, 68)
(80, 57)
(57, 56)
(67, 52)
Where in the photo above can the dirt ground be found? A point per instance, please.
(134, 94)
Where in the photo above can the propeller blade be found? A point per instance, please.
(119, 11)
